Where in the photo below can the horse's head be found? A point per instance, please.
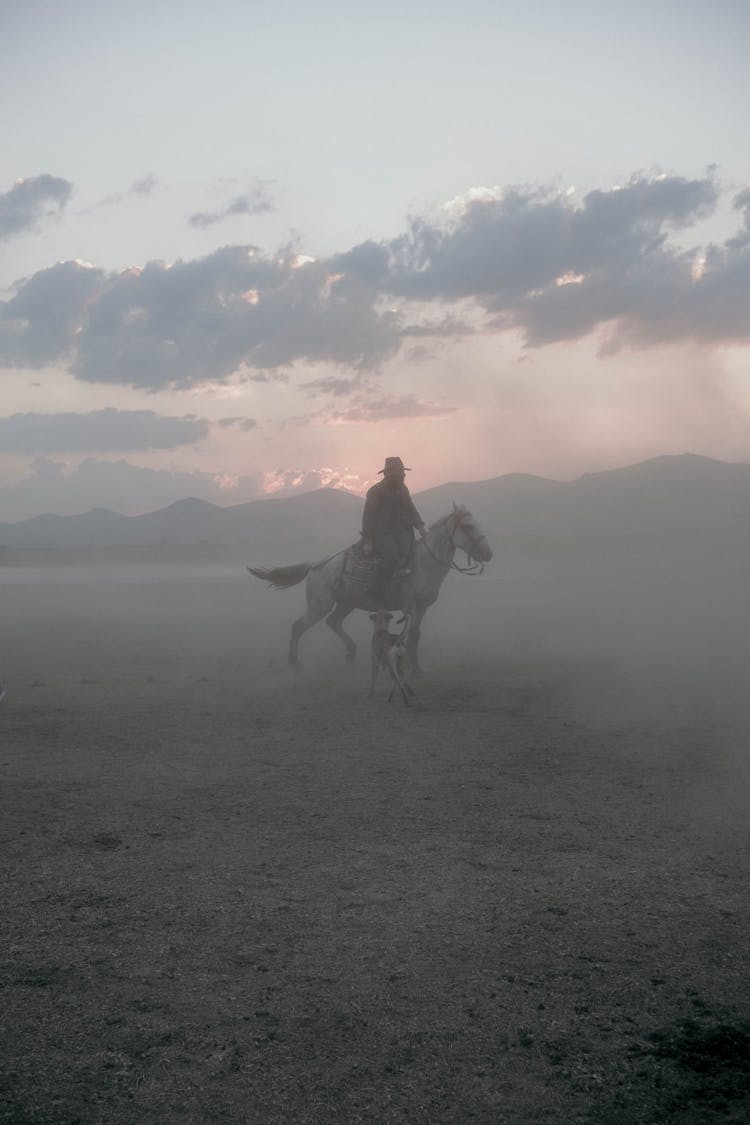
(467, 535)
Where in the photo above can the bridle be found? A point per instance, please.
(474, 568)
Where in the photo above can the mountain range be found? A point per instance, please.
(682, 500)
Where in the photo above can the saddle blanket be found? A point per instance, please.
(367, 574)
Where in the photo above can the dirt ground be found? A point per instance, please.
(232, 894)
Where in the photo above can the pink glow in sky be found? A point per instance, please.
(233, 283)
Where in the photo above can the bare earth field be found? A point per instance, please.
(231, 894)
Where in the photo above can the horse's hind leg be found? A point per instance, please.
(335, 621)
(320, 596)
(300, 626)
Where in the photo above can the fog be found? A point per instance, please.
(647, 649)
(652, 656)
(668, 633)
(203, 847)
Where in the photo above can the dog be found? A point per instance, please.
(388, 651)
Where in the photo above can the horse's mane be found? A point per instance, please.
(444, 519)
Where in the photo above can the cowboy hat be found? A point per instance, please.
(394, 466)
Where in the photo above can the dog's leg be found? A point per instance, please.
(406, 688)
(373, 672)
(405, 685)
(394, 667)
(392, 673)
(404, 693)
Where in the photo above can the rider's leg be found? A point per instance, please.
(386, 550)
(405, 548)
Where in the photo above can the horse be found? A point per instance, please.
(332, 593)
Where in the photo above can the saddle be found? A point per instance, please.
(368, 575)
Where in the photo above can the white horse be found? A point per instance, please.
(332, 594)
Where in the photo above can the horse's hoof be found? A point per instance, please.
(351, 654)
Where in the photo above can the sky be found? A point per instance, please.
(250, 248)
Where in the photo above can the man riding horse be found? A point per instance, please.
(389, 520)
(334, 587)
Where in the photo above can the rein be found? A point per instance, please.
(474, 569)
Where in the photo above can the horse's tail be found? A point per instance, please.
(282, 577)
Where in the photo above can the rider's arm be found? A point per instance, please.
(417, 520)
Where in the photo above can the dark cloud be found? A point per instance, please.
(534, 261)
(109, 429)
(29, 202)
(41, 323)
(257, 201)
(369, 262)
(194, 321)
(501, 249)
(530, 260)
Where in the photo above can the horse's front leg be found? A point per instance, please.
(412, 647)
(335, 621)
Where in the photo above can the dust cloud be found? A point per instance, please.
(211, 860)
(665, 639)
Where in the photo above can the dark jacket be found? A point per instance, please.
(389, 511)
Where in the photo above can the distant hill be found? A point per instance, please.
(672, 499)
(320, 515)
(676, 501)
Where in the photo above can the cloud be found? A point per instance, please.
(53, 486)
(109, 429)
(287, 481)
(333, 385)
(501, 249)
(194, 321)
(524, 259)
(535, 262)
(368, 403)
(141, 188)
(448, 326)
(237, 423)
(257, 201)
(383, 408)
(144, 186)
(32, 201)
(40, 324)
